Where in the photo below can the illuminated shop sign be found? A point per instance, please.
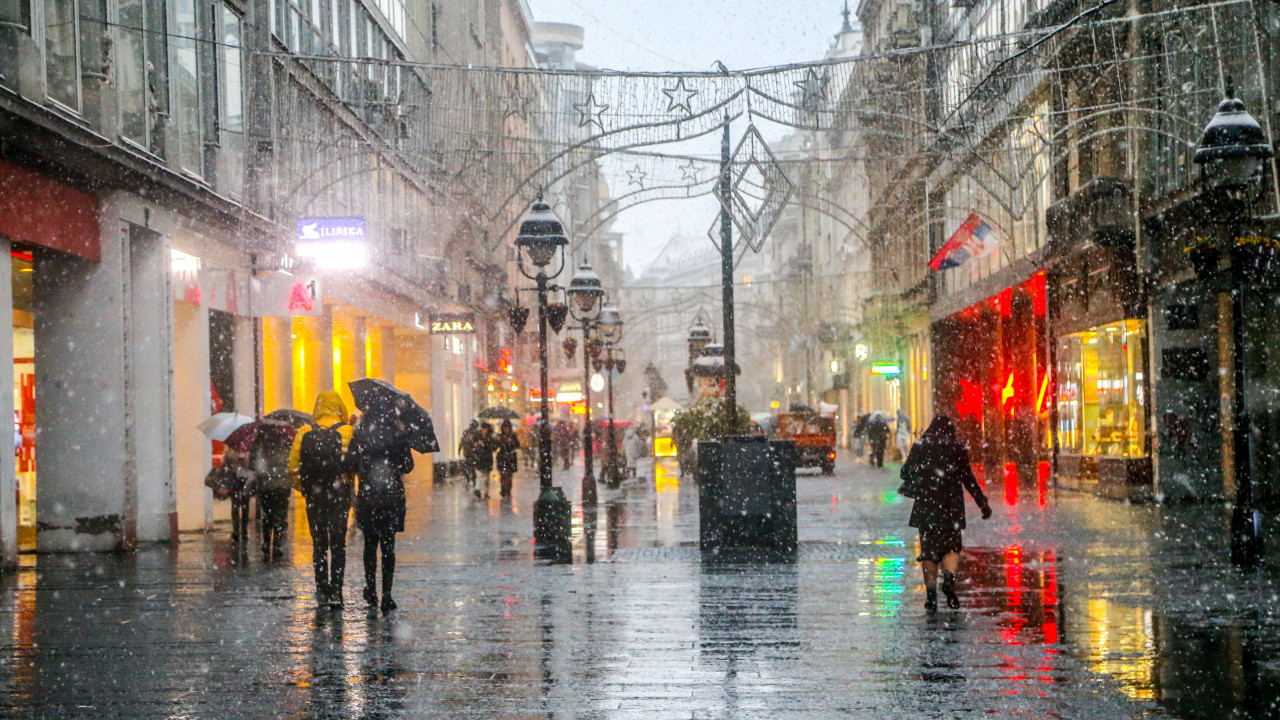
(453, 324)
(885, 369)
(333, 243)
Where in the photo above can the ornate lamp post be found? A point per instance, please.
(699, 337)
(585, 298)
(610, 324)
(541, 238)
(1230, 155)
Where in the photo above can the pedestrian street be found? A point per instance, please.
(1073, 607)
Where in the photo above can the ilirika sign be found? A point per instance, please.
(333, 243)
(452, 324)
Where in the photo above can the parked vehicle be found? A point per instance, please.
(815, 437)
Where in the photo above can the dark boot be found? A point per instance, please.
(949, 589)
(931, 599)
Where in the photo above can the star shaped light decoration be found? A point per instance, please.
(689, 171)
(590, 112)
(813, 88)
(515, 102)
(679, 97)
(636, 176)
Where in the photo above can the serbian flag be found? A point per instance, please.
(974, 238)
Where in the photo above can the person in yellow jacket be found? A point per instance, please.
(315, 463)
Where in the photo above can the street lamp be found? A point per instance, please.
(1230, 156)
(610, 324)
(699, 337)
(541, 238)
(585, 297)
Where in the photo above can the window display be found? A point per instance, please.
(1101, 401)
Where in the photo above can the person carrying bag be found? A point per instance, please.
(316, 466)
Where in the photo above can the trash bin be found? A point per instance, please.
(747, 499)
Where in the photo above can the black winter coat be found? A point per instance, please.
(508, 455)
(938, 470)
(380, 506)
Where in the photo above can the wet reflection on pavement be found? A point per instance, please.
(1074, 607)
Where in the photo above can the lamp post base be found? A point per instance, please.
(552, 514)
(1246, 536)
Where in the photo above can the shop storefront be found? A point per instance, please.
(993, 377)
(1102, 408)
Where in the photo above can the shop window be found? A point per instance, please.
(1101, 397)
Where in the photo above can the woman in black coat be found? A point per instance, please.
(508, 446)
(936, 474)
(379, 454)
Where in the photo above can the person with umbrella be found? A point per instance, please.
(316, 466)
(380, 453)
(508, 447)
(269, 460)
(878, 436)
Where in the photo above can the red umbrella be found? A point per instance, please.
(245, 436)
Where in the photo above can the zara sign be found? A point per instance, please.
(452, 324)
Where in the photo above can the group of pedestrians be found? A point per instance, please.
(324, 462)
(872, 429)
(483, 450)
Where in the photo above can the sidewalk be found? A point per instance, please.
(1077, 608)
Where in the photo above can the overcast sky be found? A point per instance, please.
(690, 35)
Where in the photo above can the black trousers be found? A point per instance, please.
(877, 453)
(327, 518)
(386, 542)
(240, 518)
(274, 507)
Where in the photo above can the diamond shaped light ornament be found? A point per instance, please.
(758, 189)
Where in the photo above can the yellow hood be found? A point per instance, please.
(329, 405)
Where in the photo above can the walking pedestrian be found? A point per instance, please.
(483, 458)
(269, 458)
(903, 434)
(240, 492)
(633, 447)
(878, 437)
(379, 454)
(508, 447)
(469, 447)
(936, 475)
(563, 437)
(316, 465)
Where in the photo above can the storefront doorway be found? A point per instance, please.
(24, 394)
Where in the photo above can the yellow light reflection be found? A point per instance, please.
(1120, 643)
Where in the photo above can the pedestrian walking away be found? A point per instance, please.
(241, 490)
(316, 466)
(937, 474)
(563, 439)
(878, 437)
(379, 455)
(903, 434)
(469, 447)
(483, 458)
(269, 459)
(508, 447)
(633, 447)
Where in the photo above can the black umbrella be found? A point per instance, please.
(296, 418)
(801, 407)
(498, 412)
(373, 395)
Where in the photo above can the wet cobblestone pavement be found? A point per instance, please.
(1075, 607)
